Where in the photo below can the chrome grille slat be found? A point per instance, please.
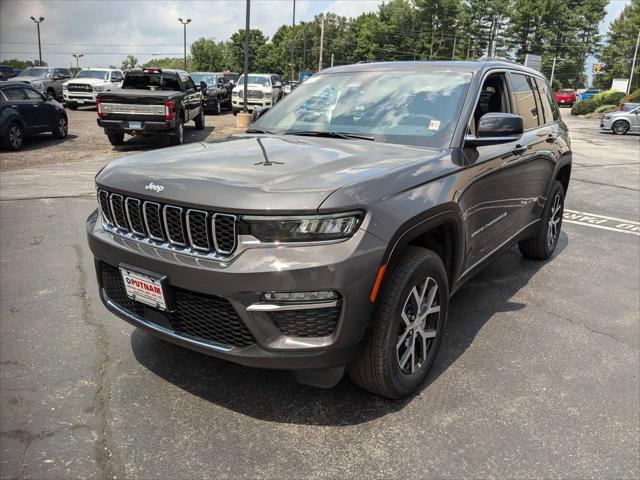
(193, 231)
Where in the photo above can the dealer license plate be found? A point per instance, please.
(135, 124)
(144, 288)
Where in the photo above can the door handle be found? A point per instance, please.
(520, 149)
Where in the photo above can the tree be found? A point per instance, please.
(209, 56)
(617, 55)
(129, 63)
(256, 40)
(168, 62)
(20, 64)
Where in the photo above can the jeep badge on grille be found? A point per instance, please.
(154, 187)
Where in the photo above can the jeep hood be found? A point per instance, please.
(255, 173)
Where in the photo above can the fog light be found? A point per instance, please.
(299, 296)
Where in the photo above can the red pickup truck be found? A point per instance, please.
(566, 96)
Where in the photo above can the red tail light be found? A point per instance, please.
(99, 106)
(168, 111)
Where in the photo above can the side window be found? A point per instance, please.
(15, 94)
(524, 99)
(548, 101)
(65, 73)
(188, 83)
(493, 98)
(32, 94)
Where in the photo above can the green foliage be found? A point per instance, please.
(584, 107)
(256, 40)
(606, 108)
(633, 97)
(21, 64)
(129, 63)
(617, 54)
(210, 56)
(608, 97)
(168, 62)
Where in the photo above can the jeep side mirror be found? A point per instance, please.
(495, 128)
(258, 112)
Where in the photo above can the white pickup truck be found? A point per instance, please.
(83, 89)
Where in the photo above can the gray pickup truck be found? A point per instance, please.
(151, 102)
(47, 80)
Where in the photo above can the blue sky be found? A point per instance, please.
(106, 31)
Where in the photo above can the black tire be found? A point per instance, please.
(543, 243)
(199, 120)
(61, 127)
(379, 368)
(217, 108)
(13, 137)
(235, 112)
(620, 127)
(116, 138)
(72, 106)
(178, 137)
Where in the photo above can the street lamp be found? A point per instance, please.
(77, 56)
(38, 22)
(184, 23)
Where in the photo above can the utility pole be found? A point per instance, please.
(77, 57)
(38, 22)
(246, 57)
(553, 71)
(468, 48)
(321, 43)
(184, 23)
(293, 26)
(633, 64)
(304, 46)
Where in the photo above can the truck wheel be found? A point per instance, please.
(61, 127)
(116, 138)
(199, 120)
(542, 245)
(13, 137)
(178, 137)
(407, 329)
(620, 127)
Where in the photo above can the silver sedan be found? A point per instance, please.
(622, 122)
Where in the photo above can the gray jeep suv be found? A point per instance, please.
(331, 235)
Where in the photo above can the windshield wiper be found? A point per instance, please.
(313, 133)
(258, 130)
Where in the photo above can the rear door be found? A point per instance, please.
(192, 97)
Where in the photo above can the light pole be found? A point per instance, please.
(633, 64)
(184, 23)
(247, 34)
(293, 26)
(38, 22)
(77, 57)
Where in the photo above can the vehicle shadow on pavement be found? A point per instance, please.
(274, 396)
(191, 135)
(44, 140)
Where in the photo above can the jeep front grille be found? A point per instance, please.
(189, 230)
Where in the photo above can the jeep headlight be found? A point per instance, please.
(312, 228)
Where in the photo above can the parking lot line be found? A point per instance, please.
(602, 222)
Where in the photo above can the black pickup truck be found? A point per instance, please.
(151, 102)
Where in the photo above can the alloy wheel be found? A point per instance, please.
(62, 126)
(620, 128)
(418, 325)
(181, 132)
(554, 221)
(15, 136)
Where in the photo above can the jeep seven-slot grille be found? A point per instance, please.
(196, 315)
(182, 228)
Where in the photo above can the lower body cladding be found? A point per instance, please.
(218, 308)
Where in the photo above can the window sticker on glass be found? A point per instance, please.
(434, 124)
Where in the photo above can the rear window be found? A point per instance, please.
(151, 81)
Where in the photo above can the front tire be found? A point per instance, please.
(542, 245)
(620, 127)
(407, 329)
(13, 137)
(61, 128)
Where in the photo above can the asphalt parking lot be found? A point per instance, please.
(538, 375)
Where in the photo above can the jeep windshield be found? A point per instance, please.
(151, 81)
(411, 108)
(35, 72)
(98, 74)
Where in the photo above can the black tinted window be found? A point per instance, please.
(151, 81)
(548, 101)
(32, 94)
(15, 93)
(525, 101)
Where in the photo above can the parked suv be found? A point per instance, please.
(263, 90)
(84, 88)
(45, 79)
(566, 96)
(320, 242)
(6, 72)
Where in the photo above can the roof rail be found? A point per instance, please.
(498, 59)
